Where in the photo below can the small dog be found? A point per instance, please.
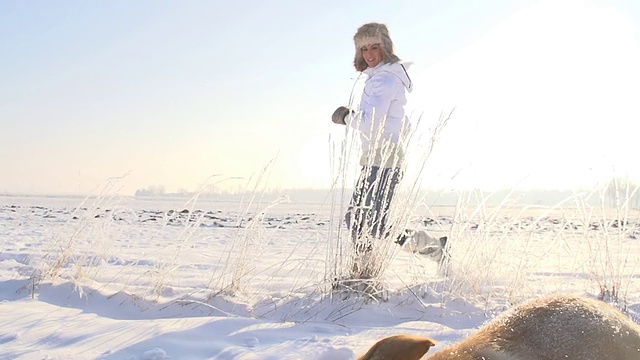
(554, 327)
(423, 243)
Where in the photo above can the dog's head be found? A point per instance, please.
(406, 235)
(399, 347)
(409, 233)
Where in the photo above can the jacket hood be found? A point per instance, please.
(398, 69)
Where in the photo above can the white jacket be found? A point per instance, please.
(381, 117)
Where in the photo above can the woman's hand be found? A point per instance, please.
(340, 114)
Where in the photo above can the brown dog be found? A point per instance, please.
(555, 327)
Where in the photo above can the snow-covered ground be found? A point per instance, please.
(125, 278)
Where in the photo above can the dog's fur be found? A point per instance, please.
(421, 242)
(555, 327)
(412, 347)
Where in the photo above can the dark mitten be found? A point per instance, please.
(339, 115)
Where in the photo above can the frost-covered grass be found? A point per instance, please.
(417, 146)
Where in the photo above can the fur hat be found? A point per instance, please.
(373, 33)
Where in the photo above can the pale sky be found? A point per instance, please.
(546, 93)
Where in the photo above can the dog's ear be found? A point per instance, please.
(406, 234)
(399, 347)
(443, 241)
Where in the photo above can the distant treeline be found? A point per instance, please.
(617, 194)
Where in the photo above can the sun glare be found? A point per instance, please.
(543, 95)
(313, 162)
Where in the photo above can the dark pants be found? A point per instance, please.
(368, 212)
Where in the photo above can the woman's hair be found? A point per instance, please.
(373, 33)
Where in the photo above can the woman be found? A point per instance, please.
(380, 122)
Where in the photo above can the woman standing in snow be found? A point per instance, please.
(380, 121)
